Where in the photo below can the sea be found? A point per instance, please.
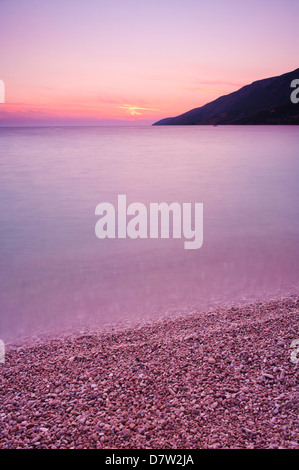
(57, 276)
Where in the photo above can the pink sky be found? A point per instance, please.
(134, 62)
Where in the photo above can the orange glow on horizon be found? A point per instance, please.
(69, 111)
(135, 110)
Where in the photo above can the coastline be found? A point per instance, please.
(216, 379)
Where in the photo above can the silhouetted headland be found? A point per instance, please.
(266, 101)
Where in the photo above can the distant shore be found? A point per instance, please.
(217, 379)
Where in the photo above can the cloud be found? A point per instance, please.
(207, 86)
(134, 110)
(207, 90)
(220, 82)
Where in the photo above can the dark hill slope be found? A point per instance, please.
(265, 101)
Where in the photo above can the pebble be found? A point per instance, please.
(90, 391)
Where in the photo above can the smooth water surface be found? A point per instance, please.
(56, 274)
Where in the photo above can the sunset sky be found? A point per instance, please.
(136, 61)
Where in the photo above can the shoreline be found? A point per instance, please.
(221, 378)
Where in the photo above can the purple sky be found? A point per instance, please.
(129, 61)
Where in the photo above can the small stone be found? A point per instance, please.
(125, 433)
(247, 430)
(282, 374)
(269, 376)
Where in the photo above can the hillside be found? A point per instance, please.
(265, 101)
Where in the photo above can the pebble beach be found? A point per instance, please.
(224, 378)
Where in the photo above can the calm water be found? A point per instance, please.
(56, 274)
